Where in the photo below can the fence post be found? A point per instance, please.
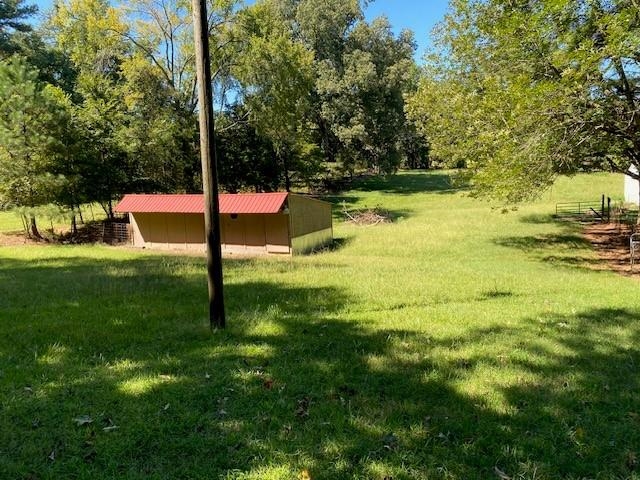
(602, 207)
(608, 209)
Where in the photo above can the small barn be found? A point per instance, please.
(631, 188)
(257, 223)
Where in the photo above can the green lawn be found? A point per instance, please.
(458, 342)
(10, 221)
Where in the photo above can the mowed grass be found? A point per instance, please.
(458, 342)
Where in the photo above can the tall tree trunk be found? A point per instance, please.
(287, 179)
(25, 224)
(34, 227)
(283, 153)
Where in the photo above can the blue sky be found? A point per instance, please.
(417, 15)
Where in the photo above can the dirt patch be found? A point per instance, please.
(16, 239)
(88, 233)
(611, 242)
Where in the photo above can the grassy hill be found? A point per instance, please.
(457, 342)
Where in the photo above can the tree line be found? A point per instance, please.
(100, 99)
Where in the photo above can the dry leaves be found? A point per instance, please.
(369, 216)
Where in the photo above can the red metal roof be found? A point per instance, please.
(194, 203)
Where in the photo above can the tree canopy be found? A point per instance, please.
(13, 16)
(31, 129)
(304, 90)
(521, 91)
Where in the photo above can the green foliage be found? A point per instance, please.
(277, 76)
(523, 91)
(34, 130)
(317, 73)
(315, 80)
(362, 96)
(361, 73)
(13, 14)
(29, 136)
(246, 160)
(160, 93)
(134, 95)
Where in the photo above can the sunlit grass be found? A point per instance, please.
(453, 342)
(10, 221)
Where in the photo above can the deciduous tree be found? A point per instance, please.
(277, 77)
(522, 91)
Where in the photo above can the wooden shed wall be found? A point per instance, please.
(242, 234)
(255, 233)
(168, 231)
(311, 223)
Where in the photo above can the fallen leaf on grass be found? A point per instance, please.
(268, 384)
(305, 475)
(52, 455)
(501, 475)
(83, 420)
(110, 428)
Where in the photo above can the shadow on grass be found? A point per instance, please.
(496, 294)
(399, 184)
(290, 385)
(539, 218)
(568, 248)
(337, 244)
(409, 183)
(566, 220)
(568, 241)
